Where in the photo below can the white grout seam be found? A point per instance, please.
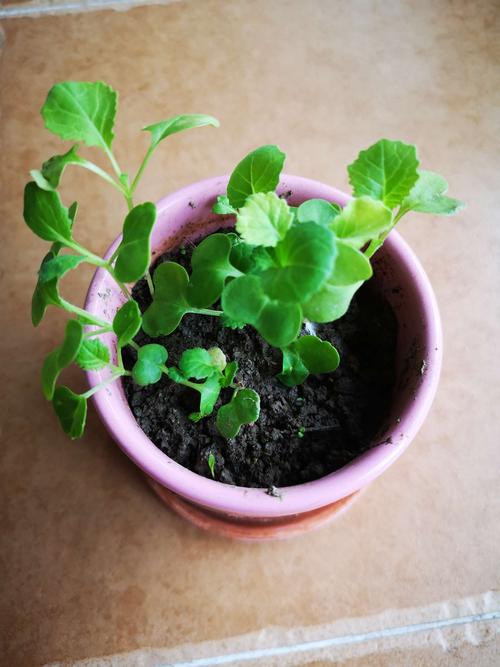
(336, 641)
(57, 8)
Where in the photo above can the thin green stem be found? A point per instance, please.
(149, 281)
(98, 332)
(140, 171)
(206, 311)
(89, 318)
(104, 383)
(113, 161)
(133, 344)
(103, 174)
(119, 357)
(98, 261)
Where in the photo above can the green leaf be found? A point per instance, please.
(350, 266)
(165, 128)
(244, 408)
(386, 171)
(81, 111)
(45, 294)
(45, 215)
(61, 357)
(170, 302)
(199, 363)
(92, 355)
(71, 409)
(263, 220)
(428, 196)
(50, 174)
(350, 270)
(293, 371)
(361, 221)
(259, 171)
(305, 260)
(229, 373)
(127, 323)
(223, 207)
(211, 464)
(242, 254)
(57, 267)
(244, 300)
(210, 268)
(308, 354)
(320, 211)
(318, 356)
(209, 393)
(134, 252)
(148, 367)
(331, 302)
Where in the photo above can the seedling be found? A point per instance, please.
(282, 267)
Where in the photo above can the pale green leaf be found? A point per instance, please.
(428, 195)
(263, 220)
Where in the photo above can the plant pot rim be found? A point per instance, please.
(256, 502)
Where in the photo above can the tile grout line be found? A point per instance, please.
(337, 641)
(69, 7)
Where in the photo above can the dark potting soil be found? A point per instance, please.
(303, 433)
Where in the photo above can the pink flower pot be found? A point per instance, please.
(252, 514)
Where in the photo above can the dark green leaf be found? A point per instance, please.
(244, 408)
(209, 393)
(259, 171)
(223, 207)
(165, 128)
(71, 409)
(210, 268)
(81, 111)
(428, 195)
(170, 302)
(263, 220)
(294, 371)
(148, 367)
(229, 373)
(386, 171)
(305, 260)
(52, 169)
(127, 323)
(45, 294)
(92, 355)
(45, 215)
(61, 357)
(244, 300)
(308, 354)
(319, 211)
(58, 266)
(134, 251)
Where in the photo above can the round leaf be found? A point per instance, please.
(127, 322)
(318, 356)
(148, 367)
(244, 408)
(263, 220)
(210, 268)
(320, 211)
(197, 363)
(170, 300)
(134, 252)
(361, 221)
(259, 171)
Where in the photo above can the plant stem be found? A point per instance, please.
(98, 332)
(113, 161)
(206, 311)
(91, 319)
(133, 344)
(149, 281)
(140, 171)
(98, 261)
(104, 383)
(103, 174)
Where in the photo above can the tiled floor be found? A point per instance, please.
(92, 564)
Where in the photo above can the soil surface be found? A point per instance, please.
(304, 432)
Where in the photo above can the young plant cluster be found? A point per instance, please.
(282, 268)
